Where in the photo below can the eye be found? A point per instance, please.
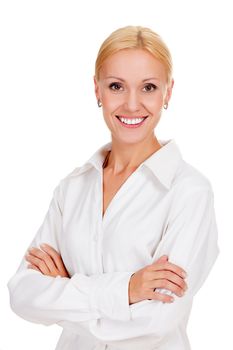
(150, 87)
(117, 85)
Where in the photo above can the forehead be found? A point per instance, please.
(132, 63)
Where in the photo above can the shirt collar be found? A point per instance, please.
(163, 163)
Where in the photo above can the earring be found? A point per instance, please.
(165, 106)
(99, 103)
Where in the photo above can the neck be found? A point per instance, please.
(125, 157)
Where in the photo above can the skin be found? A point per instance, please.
(132, 97)
(47, 261)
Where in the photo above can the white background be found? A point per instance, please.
(50, 124)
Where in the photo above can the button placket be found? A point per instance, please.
(97, 233)
(98, 201)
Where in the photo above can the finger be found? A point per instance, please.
(33, 267)
(56, 256)
(160, 297)
(45, 257)
(38, 263)
(162, 259)
(167, 275)
(169, 286)
(168, 266)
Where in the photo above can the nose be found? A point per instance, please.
(132, 101)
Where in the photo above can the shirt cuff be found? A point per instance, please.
(108, 293)
(111, 295)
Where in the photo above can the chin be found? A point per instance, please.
(133, 140)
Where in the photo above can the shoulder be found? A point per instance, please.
(72, 176)
(191, 188)
(66, 183)
(191, 194)
(189, 179)
(77, 178)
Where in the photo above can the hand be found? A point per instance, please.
(160, 274)
(46, 260)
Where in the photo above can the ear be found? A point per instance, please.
(96, 88)
(169, 91)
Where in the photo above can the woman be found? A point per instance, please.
(130, 236)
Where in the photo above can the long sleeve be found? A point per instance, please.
(165, 208)
(47, 300)
(190, 241)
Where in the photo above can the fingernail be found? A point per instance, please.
(184, 274)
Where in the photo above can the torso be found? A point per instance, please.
(111, 185)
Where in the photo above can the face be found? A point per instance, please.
(132, 85)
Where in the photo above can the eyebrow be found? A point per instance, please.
(124, 80)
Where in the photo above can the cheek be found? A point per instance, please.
(111, 103)
(155, 102)
(157, 106)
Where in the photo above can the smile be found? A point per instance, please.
(131, 122)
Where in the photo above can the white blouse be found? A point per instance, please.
(165, 206)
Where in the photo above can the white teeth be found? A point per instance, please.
(131, 121)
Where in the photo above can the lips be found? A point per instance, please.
(135, 117)
(131, 125)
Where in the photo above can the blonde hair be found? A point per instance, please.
(135, 37)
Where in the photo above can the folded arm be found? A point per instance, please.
(190, 241)
(44, 299)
